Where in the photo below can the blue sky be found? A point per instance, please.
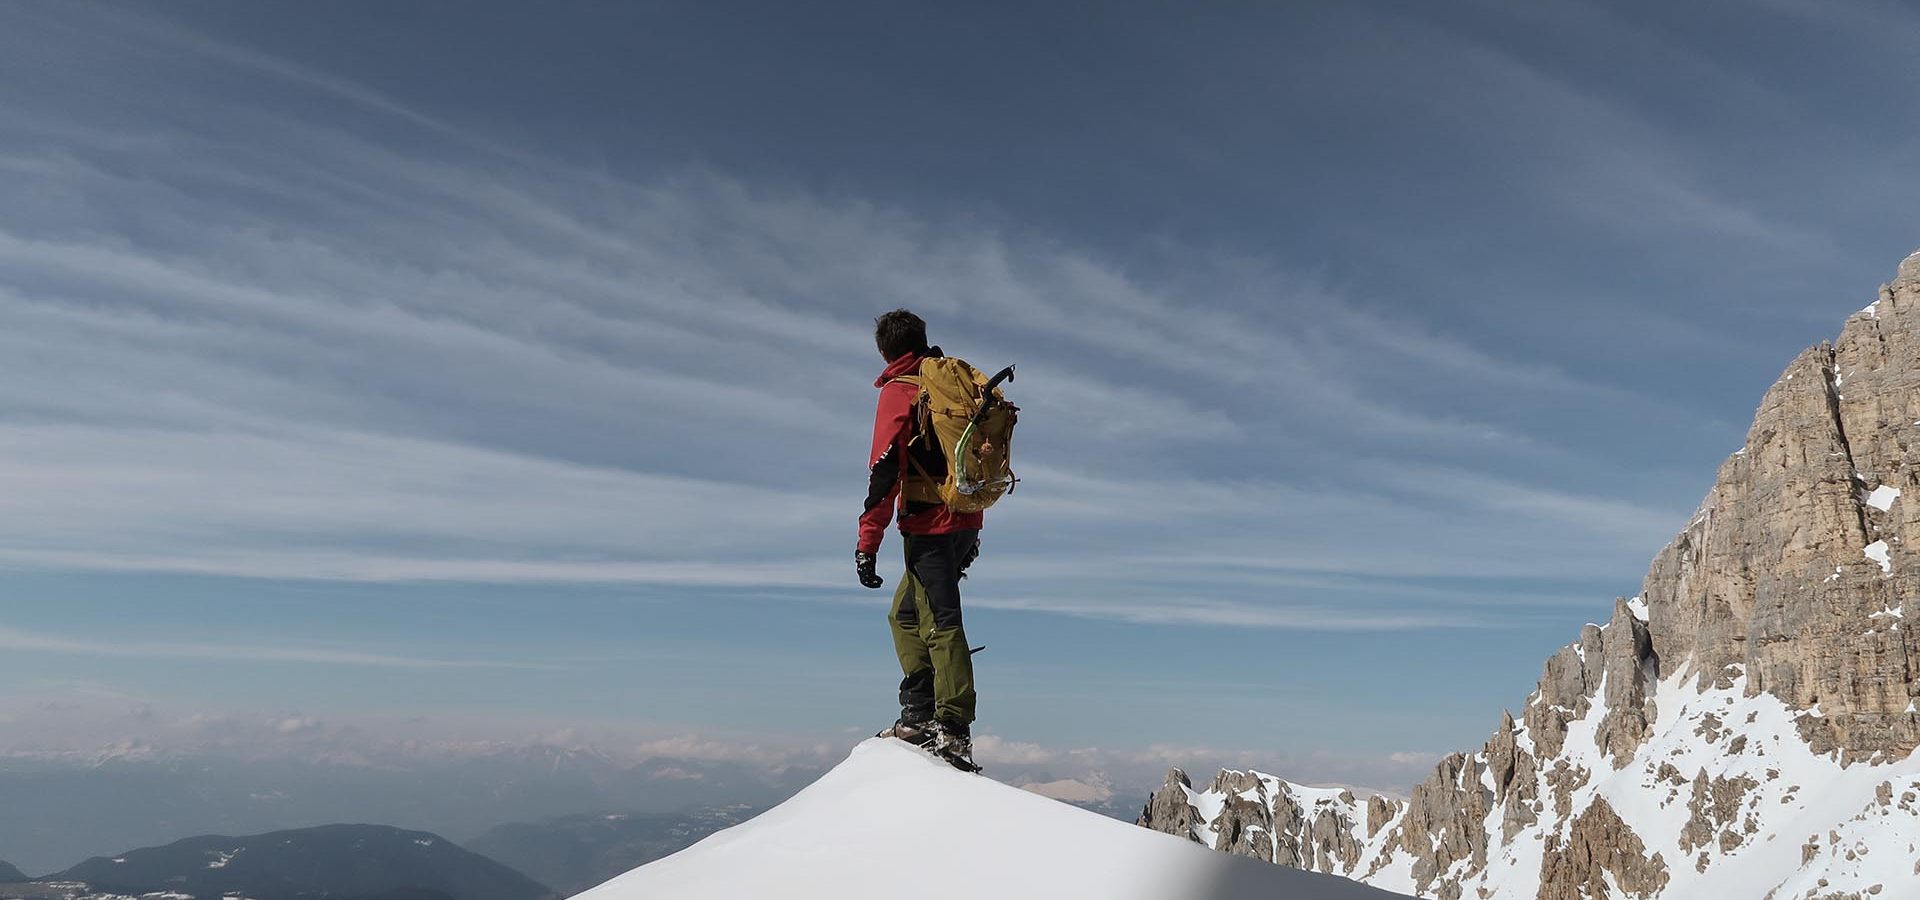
(469, 363)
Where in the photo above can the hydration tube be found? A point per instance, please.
(966, 436)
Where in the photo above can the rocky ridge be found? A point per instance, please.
(1744, 727)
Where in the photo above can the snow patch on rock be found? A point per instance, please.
(1638, 606)
(1877, 551)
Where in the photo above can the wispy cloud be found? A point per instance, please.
(312, 352)
(100, 727)
(1600, 157)
(140, 31)
(212, 651)
(1173, 610)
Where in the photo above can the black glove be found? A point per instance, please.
(863, 564)
(967, 558)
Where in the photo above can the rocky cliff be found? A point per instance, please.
(1745, 727)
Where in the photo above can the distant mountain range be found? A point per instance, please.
(330, 862)
(58, 810)
(574, 853)
(10, 874)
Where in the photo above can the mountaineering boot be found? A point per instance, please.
(953, 742)
(915, 726)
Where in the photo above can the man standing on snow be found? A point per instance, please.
(936, 690)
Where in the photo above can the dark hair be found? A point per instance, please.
(899, 333)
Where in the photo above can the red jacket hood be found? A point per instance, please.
(908, 364)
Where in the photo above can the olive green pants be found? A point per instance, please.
(927, 633)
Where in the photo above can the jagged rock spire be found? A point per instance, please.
(1909, 268)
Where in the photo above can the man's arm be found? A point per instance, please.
(885, 463)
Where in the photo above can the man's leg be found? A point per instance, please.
(933, 562)
(907, 620)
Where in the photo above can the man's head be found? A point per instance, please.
(899, 333)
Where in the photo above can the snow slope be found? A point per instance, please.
(892, 821)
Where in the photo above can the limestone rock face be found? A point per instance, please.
(1169, 810)
(1716, 807)
(1320, 829)
(1597, 849)
(1768, 655)
(1797, 561)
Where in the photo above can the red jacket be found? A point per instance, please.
(894, 426)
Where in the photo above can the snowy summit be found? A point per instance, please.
(870, 828)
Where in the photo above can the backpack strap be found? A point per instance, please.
(920, 402)
(921, 471)
(923, 431)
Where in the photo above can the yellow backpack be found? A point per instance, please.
(964, 411)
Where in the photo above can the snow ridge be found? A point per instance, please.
(879, 824)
